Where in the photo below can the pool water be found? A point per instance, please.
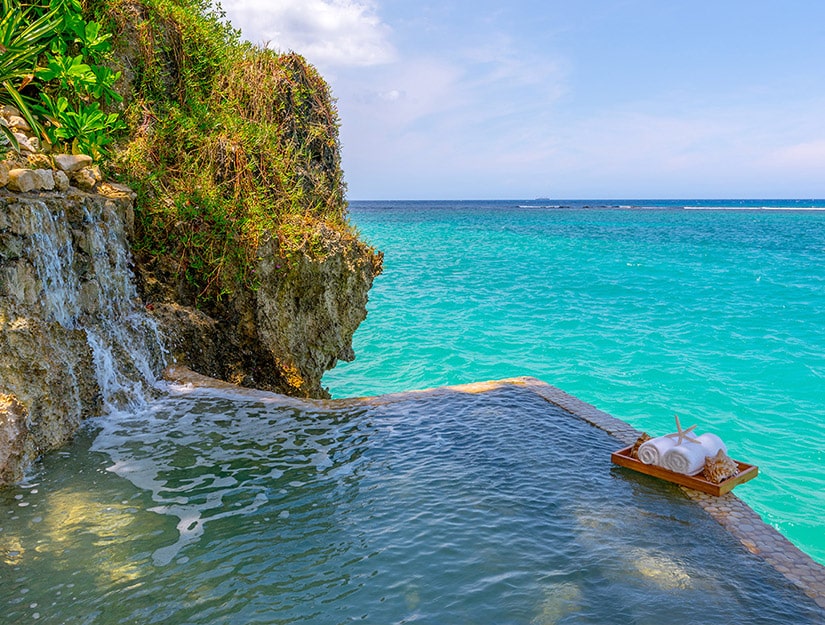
(448, 507)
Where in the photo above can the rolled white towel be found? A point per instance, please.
(712, 443)
(652, 451)
(689, 458)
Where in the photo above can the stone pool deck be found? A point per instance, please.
(728, 510)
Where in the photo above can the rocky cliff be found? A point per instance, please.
(78, 338)
(224, 246)
(73, 336)
(281, 336)
(243, 250)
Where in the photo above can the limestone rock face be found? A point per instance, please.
(73, 338)
(50, 372)
(61, 181)
(70, 163)
(308, 310)
(22, 180)
(18, 123)
(13, 429)
(44, 179)
(84, 179)
(284, 336)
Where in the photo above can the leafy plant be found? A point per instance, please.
(86, 127)
(88, 34)
(22, 41)
(52, 52)
(71, 74)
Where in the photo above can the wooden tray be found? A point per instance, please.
(697, 482)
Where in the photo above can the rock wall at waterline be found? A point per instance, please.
(281, 337)
(74, 338)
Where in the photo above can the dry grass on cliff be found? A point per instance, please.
(229, 143)
(285, 116)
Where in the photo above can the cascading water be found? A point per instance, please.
(83, 281)
(124, 339)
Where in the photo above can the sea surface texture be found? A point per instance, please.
(714, 311)
(455, 507)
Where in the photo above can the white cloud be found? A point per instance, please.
(329, 33)
(449, 119)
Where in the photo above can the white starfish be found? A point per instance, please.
(682, 435)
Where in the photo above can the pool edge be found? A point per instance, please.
(737, 517)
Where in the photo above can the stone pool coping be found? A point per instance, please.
(728, 510)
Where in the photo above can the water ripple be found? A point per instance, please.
(493, 508)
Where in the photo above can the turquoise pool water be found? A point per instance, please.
(454, 508)
(717, 315)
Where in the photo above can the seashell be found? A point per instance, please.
(720, 467)
(634, 451)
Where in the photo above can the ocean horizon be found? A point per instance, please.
(663, 203)
(708, 309)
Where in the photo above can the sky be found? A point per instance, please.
(598, 99)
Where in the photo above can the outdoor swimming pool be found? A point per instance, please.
(447, 507)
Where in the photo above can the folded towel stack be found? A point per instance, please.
(687, 457)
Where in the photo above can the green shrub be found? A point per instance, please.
(24, 36)
(228, 143)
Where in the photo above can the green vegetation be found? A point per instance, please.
(226, 143)
(22, 41)
(53, 71)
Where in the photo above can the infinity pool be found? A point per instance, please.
(445, 508)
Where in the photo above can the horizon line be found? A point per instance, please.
(592, 199)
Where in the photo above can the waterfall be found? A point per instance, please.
(84, 281)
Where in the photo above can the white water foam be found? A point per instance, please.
(168, 451)
(124, 340)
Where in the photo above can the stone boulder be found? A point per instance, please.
(22, 180)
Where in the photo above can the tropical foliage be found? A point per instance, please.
(23, 39)
(53, 71)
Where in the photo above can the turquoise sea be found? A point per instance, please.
(712, 310)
